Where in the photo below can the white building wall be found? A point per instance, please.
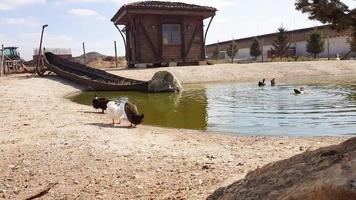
(243, 53)
(301, 49)
(337, 45)
(266, 48)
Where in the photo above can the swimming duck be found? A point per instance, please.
(300, 91)
(132, 114)
(273, 82)
(260, 84)
(115, 110)
(100, 102)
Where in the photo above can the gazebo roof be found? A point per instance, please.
(163, 8)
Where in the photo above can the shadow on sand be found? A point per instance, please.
(65, 82)
(102, 125)
(92, 112)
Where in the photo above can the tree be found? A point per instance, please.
(335, 12)
(232, 50)
(281, 44)
(255, 49)
(315, 44)
(216, 52)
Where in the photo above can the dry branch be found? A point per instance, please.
(42, 192)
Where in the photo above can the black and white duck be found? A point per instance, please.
(100, 103)
(300, 91)
(273, 82)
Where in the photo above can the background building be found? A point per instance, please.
(335, 43)
(162, 32)
(62, 52)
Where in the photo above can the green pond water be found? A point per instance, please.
(325, 109)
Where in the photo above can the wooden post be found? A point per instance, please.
(115, 54)
(205, 35)
(84, 56)
(262, 54)
(295, 51)
(218, 48)
(125, 43)
(233, 50)
(42, 59)
(40, 51)
(328, 41)
(326, 33)
(2, 60)
(207, 29)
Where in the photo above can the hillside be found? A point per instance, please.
(97, 60)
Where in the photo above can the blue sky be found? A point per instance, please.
(72, 22)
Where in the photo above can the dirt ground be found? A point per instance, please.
(45, 139)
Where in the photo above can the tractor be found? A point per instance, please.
(12, 60)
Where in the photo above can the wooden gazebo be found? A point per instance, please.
(158, 33)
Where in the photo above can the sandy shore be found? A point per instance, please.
(45, 138)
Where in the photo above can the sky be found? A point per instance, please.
(72, 22)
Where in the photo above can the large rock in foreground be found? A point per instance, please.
(164, 81)
(324, 174)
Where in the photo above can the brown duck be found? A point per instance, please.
(132, 114)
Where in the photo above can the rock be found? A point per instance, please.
(325, 174)
(164, 81)
(207, 166)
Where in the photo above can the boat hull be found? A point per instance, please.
(91, 78)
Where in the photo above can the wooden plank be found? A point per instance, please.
(139, 46)
(191, 40)
(160, 38)
(128, 42)
(204, 14)
(182, 24)
(134, 39)
(202, 43)
(149, 40)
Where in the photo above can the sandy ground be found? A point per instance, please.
(45, 138)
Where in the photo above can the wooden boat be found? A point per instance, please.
(91, 78)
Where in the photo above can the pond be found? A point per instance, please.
(324, 109)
